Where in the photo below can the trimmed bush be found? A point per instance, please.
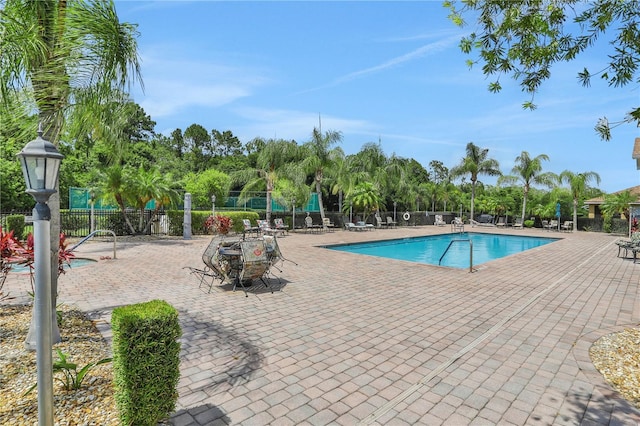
(146, 360)
(528, 223)
(15, 223)
(199, 217)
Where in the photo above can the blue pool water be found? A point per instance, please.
(429, 249)
(75, 262)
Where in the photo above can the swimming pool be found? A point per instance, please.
(429, 249)
(75, 262)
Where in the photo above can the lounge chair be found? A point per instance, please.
(517, 223)
(457, 225)
(310, 226)
(249, 228)
(380, 223)
(279, 225)
(502, 222)
(367, 226)
(353, 227)
(439, 221)
(391, 223)
(567, 226)
(475, 223)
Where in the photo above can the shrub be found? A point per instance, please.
(528, 223)
(15, 223)
(146, 359)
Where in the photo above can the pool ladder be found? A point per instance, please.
(85, 239)
(470, 251)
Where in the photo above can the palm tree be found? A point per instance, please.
(271, 162)
(53, 49)
(476, 163)
(578, 183)
(342, 179)
(365, 198)
(529, 171)
(116, 185)
(320, 156)
(618, 203)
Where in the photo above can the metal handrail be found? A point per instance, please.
(85, 239)
(470, 252)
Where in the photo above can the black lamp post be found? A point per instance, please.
(40, 161)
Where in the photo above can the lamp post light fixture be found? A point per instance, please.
(213, 204)
(395, 204)
(40, 161)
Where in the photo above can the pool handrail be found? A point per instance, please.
(470, 252)
(85, 239)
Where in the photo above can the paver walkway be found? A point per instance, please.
(349, 339)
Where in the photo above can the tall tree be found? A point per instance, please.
(525, 38)
(53, 50)
(529, 171)
(319, 156)
(578, 183)
(475, 163)
(198, 145)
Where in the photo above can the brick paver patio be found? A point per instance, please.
(347, 339)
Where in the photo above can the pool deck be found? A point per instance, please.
(348, 339)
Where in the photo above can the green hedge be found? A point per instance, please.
(198, 218)
(15, 223)
(146, 360)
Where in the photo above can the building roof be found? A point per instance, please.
(634, 190)
(636, 152)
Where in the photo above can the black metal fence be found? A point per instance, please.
(78, 222)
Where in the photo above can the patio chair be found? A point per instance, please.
(249, 228)
(254, 264)
(629, 245)
(328, 224)
(274, 255)
(457, 225)
(310, 226)
(380, 223)
(279, 225)
(517, 223)
(439, 221)
(502, 222)
(567, 226)
(212, 268)
(391, 223)
(268, 230)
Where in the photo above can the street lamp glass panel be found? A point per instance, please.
(40, 173)
(40, 161)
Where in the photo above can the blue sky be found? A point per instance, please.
(375, 71)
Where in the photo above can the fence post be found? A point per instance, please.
(186, 225)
